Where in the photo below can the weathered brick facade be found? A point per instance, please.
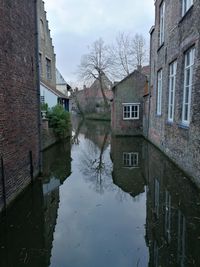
(46, 49)
(19, 96)
(180, 142)
(130, 90)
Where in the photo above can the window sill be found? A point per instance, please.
(130, 119)
(186, 13)
(183, 126)
(170, 123)
(159, 48)
(158, 115)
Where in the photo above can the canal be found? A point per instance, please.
(104, 201)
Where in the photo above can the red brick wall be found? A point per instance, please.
(19, 121)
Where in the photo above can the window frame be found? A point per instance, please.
(172, 90)
(186, 5)
(40, 64)
(128, 159)
(188, 68)
(48, 69)
(131, 106)
(159, 92)
(162, 23)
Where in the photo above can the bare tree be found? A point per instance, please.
(139, 49)
(122, 54)
(128, 53)
(96, 63)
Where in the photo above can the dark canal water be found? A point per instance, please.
(104, 202)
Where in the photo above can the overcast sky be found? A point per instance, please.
(75, 24)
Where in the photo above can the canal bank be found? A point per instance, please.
(132, 210)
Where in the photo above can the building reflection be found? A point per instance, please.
(173, 201)
(173, 214)
(27, 227)
(128, 162)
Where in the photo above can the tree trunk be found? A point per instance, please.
(103, 93)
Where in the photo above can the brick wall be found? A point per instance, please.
(19, 120)
(46, 48)
(180, 143)
(130, 90)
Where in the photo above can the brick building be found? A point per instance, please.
(174, 119)
(19, 97)
(90, 99)
(127, 107)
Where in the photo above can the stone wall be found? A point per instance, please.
(19, 108)
(180, 143)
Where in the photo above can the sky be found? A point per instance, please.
(76, 24)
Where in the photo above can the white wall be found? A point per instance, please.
(49, 97)
(62, 88)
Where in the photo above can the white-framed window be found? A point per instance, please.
(157, 197)
(188, 79)
(162, 24)
(172, 85)
(48, 68)
(131, 159)
(186, 4)
(131, 111)
(159, 92)
(40, 63)
(42, 99)
(181, 239)
(167, 216)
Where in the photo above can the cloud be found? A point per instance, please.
(75, 24)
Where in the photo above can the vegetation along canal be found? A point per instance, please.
(104, 201)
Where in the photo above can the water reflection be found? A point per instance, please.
(27, 227)
(123, 204)
(94, 162)
(173, 214)
(128, 164)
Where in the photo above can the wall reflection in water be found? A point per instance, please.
(27, 227)
(173, 201)
(173, 214)
(128, 164)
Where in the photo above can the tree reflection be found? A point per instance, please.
(95, 164)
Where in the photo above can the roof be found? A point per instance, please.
(54, 91)
(127, 77)
(59, 78)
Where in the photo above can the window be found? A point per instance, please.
(40, 63)
(172, 84)
(181, 239)
(162, 24)
(167, 216)
(130, 160)
(42, 101)
(42, 28)
(186, 4)
(188, 73)
(130, 111)
(157, 197)
(48, 68)
(159, 93)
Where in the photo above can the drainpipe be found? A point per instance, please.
(38, 82)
